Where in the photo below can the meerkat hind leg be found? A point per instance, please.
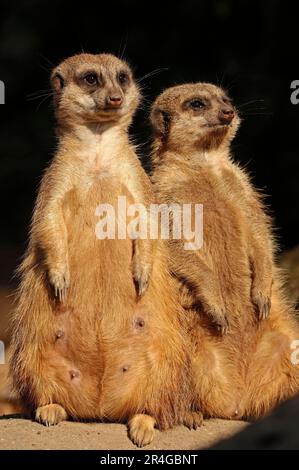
(141, 429)
(193, 419)
(49, 415)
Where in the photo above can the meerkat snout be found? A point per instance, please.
(226, 115)
(94, 88)
(114, 100)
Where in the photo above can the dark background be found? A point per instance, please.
(247, 46)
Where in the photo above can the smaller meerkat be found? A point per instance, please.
(194, 125)
(246, 373)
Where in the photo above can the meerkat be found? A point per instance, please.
(195, 125)
(92, 335)
(233, 276)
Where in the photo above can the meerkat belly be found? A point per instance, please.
(224, 242)
(100, 262)
(224, 237)
(100, 304)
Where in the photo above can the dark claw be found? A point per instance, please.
(61, 293)
(262, 306)
(142, 283)
(222, 324)
(193, 420)
(142, 286)
(223, 329)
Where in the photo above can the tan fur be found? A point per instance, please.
(141, 429)
(98, 348)
(248, 370)
(9, 403)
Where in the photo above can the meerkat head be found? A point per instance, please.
(92, 88)
(194, 116)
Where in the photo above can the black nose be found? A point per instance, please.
(226, 115)
(115, 100)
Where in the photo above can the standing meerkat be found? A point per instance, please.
(249, 370)
(194, 126)
(85, 344)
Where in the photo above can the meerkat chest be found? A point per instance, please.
(211, 164)
(103, 157)
(216, 179)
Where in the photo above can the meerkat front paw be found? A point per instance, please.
(193, 419)
(141, 429)
(141, 276)
(222, 323)
(261, 302)
(60, 281)
(219, 318)
(49, 415)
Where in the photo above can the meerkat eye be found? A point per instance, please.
(91, 78)
(196, 104)
(123, 78)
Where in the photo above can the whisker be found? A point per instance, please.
(144, 108)
(39, 105)
(31, 98)
(47, 60)
(231, 84)
(220, 82)
(249, 102)
(151, 74)
(258, 114)
(46, 90)
(145, 99)
(43, 95)
(253, 109)
(45, 69)
(245, 112)
(122, 48)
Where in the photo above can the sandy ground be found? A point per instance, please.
(21, 434)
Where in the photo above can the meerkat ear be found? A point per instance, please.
(161, 121)
(57, 81)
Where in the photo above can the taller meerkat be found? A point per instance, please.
(91, 332)
(233, 277)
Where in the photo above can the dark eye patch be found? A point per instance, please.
(195, 104)
(123, 77)
(91, 78)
